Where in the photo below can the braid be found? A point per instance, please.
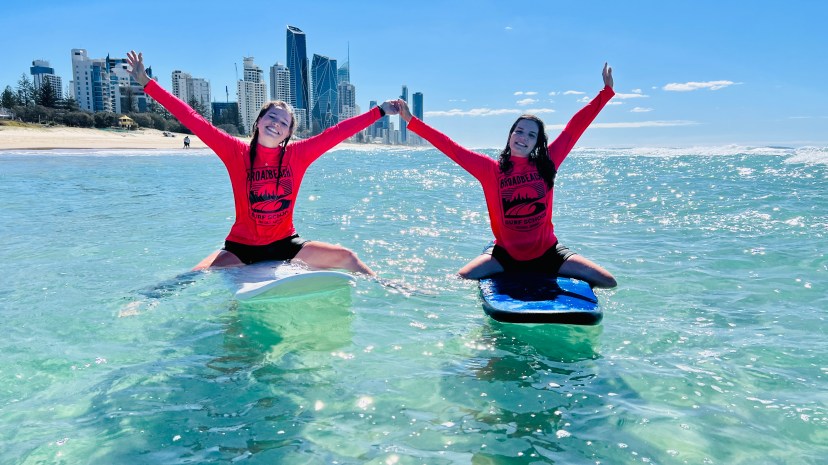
(253, 143)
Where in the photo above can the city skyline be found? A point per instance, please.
(706, 74)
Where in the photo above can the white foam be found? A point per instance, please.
(809, 156)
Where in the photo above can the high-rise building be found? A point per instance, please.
(193, 90)
(381, 128)
(104, 84)
(343, 74)
(91, 82)
(417, 111)
(280, 83)
(179, 84)
(252, 93)
(417, 105)
(297, 64)
(42, 73)
(403, 127)
(346, 103)
(325, 94)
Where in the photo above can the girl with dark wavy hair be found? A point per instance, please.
(518, 190)
(265, 175)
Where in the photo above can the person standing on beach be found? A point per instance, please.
(265, 176)
(518, 189)
(186, 142)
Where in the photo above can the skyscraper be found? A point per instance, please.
(417, 111)
(252, 92)
(297, 63)
(325, 94)
(343, 74)
(403, 127)
(42, 73)
(190, 89)
(280, 83)
(346, 103)
(104, 84)
(91, 82)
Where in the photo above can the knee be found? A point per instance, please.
(347, 257)
(606, 281)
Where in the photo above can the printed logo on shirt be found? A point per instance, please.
(270, 202)
(522, 197)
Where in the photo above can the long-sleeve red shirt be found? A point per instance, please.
(519, 203)
(264, 211)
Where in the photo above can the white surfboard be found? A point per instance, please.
(271, 280)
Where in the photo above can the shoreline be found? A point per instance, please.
(63, 137)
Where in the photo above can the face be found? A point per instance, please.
(524, 138)
(274, 127)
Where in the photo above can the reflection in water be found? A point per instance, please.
(239, 392)
(522, 390)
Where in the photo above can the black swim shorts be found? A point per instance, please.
(283, 249)
(549, 262)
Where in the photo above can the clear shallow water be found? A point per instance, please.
(712, 349)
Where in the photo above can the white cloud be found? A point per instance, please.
(487, 112)
(641, 110)
(574, 92)
(584, 99)
(628, 96)
(526, 101)
(637, 124)
(645, 124)
(531, 93)
(690, 86)
(553, 93)
(636, 91)
(508, 28)
(611, 102)
(520, 92)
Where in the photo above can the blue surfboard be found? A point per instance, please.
(539, 298)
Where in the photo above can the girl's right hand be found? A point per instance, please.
(138, 71)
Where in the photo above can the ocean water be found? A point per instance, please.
(712, 350)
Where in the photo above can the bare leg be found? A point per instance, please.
(579, 267)
(219, 259)
(481, 266)
(323, 255)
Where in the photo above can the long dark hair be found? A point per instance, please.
(539, 156)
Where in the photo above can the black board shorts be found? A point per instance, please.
(549, 262)
(283, 249)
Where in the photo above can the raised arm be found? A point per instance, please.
(475, 163)
(563, 144)
(215, 138)
(315, 146)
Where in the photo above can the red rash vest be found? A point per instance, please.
(519, 203)
(264, 211)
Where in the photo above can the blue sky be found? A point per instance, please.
(687, 73)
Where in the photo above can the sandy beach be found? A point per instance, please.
(35, 138)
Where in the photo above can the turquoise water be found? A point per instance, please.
(712, 349)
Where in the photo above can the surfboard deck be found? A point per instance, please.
(539, 298)
(273, 280)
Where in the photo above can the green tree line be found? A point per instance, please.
(33, 104)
